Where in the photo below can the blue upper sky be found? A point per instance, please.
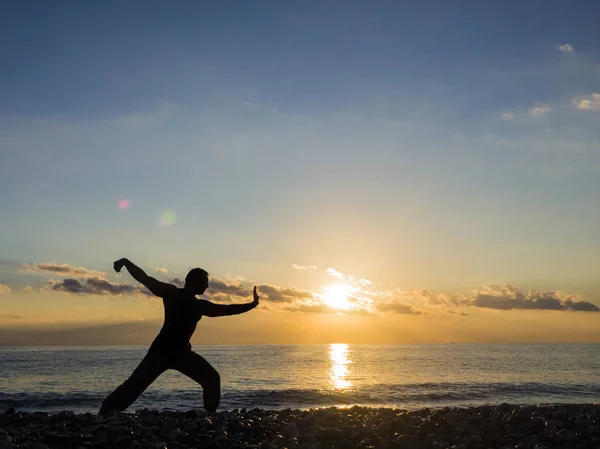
(103, 58)
(420, 144)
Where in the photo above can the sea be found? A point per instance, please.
(53, 379)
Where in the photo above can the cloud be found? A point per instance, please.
(507, 116)
(220, 289)
(503, 297)
(300, 267)
(96, 286)
(234, 288)
(452, 312)
(162, 270)
(177, 282)
(540, 109)
(283, 295)
(7, 316)
(225, 290)
(507, 297)
(588, 102)
(436, 298)
(64, 269)
(4, 289)
(567, 48)
(395, 307)
(334, 273)
(324, 308)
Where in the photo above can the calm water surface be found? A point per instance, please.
(404, 376)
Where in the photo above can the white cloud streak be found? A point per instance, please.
(302, 267)
(567, 48)
(588, 102)
(62, 269)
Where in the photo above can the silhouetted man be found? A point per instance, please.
(171, 349)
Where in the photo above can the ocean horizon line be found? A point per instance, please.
(208, 345)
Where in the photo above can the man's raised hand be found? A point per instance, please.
(119, 264)
(256, 297)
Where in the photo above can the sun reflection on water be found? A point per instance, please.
(338, 354)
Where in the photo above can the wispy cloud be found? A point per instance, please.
(539, 109)
(588, 102)
(301, 267)
(4, 289)
(162, 270)
(396, 307)
(333, 272)
(63, 269)
(507, 116)
(567, 48)
(324, 308)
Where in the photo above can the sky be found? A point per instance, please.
(384, 172)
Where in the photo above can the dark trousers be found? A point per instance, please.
(153, 365)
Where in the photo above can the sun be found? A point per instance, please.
(336, 296)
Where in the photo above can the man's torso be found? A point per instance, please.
(182, 313)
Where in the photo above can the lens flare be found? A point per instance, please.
(123, 204)
(167, 217)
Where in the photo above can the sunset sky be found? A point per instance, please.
(385, 172)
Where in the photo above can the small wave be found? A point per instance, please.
(404, 396)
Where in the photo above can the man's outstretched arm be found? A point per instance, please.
(210, 309)
(154, 285)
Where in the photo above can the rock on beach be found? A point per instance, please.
(503, 427)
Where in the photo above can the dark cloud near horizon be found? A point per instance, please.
(223, 290)
(134, 333)
(283, 295)
(11, 317)
(98, 286)
(508, 297)
(177, 282)
(219, 290)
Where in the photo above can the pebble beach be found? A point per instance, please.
(500, 426)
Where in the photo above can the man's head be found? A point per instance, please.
(197, 281)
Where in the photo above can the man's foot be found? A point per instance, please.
(105, 411)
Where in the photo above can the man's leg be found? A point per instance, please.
(125, 394)
(197, 368)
